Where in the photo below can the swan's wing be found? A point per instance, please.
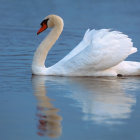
(99, 50)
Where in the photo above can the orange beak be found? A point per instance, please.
(43, 27)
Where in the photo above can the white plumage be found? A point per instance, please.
(100, 53)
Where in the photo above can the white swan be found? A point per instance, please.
(100, 53)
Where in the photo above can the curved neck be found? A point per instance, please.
(44, 47)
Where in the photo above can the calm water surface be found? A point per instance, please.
(64, 108)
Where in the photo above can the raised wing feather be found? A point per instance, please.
(99, 50)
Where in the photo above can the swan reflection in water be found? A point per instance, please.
(102, 100)
(105, 100)
(49, 122)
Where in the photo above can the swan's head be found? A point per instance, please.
(50, 22)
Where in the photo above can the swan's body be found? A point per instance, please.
(100, 53)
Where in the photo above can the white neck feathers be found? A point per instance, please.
(43, 49)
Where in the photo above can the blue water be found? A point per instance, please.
(64, 108)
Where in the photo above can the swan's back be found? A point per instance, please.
(99, 50)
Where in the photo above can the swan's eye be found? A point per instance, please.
(45, 21)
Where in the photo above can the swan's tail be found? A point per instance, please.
(128, 68)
